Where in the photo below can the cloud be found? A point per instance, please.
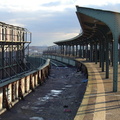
(94, 2)
(34, 5)
(15, 22)
(49, 37)
(49, 5)
(110, 7)
(56, 3)
(49, 20)
(55, 27)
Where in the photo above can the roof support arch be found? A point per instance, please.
(112, 20)
(102, 28)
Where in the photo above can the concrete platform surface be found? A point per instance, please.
(99, 102)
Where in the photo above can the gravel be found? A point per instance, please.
(57, 99)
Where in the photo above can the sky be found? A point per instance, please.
(49, 20)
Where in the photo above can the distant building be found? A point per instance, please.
(52, 50)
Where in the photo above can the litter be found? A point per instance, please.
(84, 81)
(68, 86)
(65, 106)
(36, 118)
(25, 107)
(67, 110)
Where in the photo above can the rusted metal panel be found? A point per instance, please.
(1, 98)
(20, 92)
(16, 89)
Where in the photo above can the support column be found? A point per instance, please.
(119, 53)
(107, 58)
(102, 57)
(112, 54)
(80, 51)
(76, 50)
(63, 50)
(96, 53)
(69, 50)
(83, 53)
(66, 49)
(86, 52)
(100, 53)
(73, 50)
(60, 49)
(2, 61)
(115, 63)
(91, 52)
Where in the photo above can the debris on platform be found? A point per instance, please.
(55, 92)
(36, 118)
(25, 107)
(34, 108)
(58, 99)
(78, 74)
(65, 106)
(67, 110)
(68, 86)
(84, 81)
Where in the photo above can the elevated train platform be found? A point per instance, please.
(98, 48)
(99, 102)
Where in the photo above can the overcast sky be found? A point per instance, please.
(49, 20)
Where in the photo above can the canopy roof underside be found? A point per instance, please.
(96, 25)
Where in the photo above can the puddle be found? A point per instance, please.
(25, 107)
(39, 111)
(49, 96)
(84, 81)
(68, 86)
(56, 92)
(34, 108)
(78, 74)
(36, 118)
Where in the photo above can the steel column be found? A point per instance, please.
(91, 52)
(2, 61)
(86, 52)
(115, 63)
(73, 50)
(100, 53)
(60, 49)
(80, 51)
(76, 50)
(69, 50)
(96, 55)
(119, 54)
(102, 57)
(112, 54)
(107, 58)
(83, 52)
(66, 49)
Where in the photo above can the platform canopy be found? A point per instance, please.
(98, 26)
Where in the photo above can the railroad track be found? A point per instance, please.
(57, 63)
